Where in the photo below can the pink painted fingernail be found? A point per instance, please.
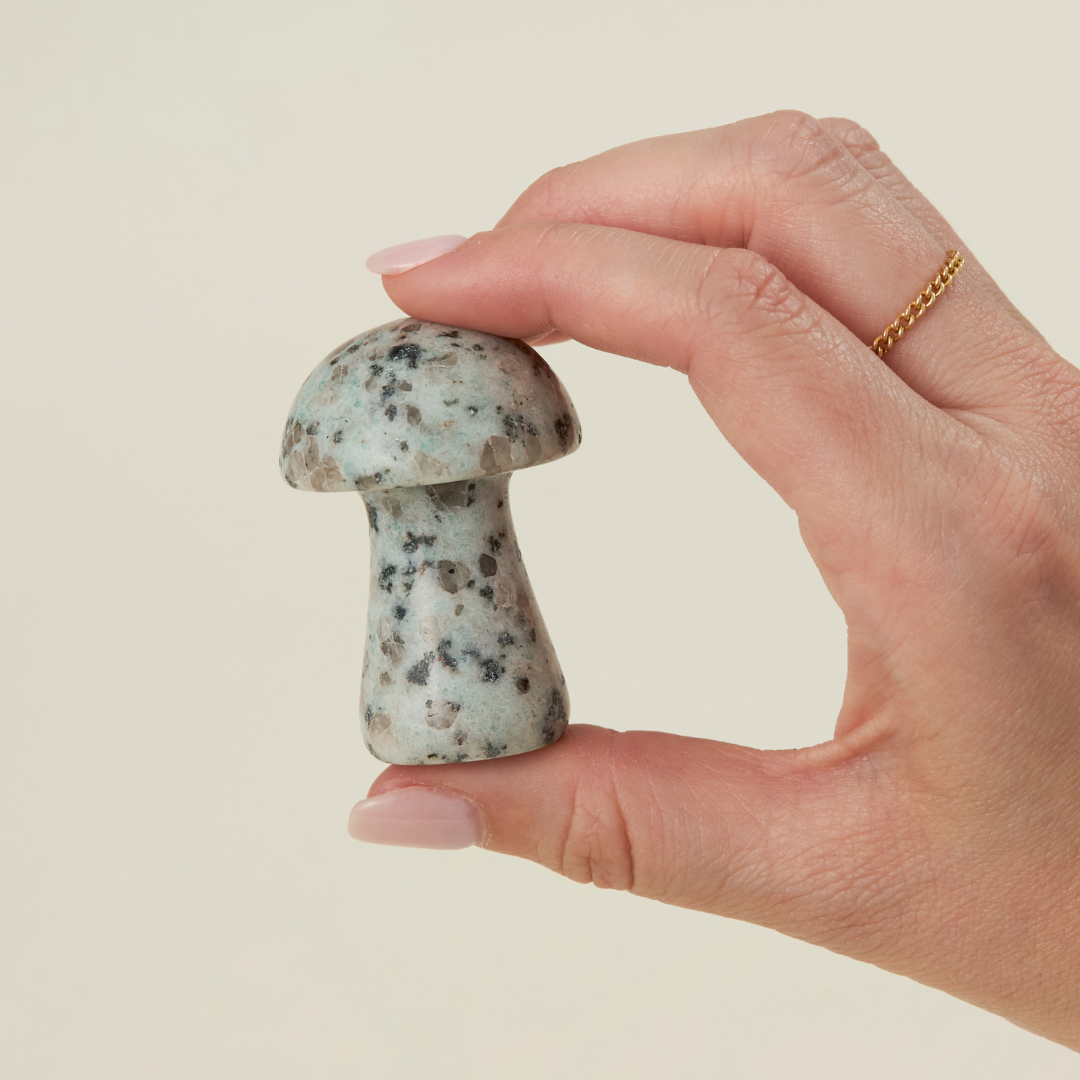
(421, 817)
(396, 260)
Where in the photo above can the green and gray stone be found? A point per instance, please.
(426, 422)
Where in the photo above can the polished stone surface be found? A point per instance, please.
(413, 403)
(458, 665)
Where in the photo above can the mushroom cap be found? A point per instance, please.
(413, 403)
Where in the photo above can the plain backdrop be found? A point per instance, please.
(187, 195)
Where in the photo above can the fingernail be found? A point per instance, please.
(421, 817)
(396, 260)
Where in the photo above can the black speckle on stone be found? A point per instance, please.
(414, 541)
(375, 369)
(564, 429)
(372, 516)
(391, 412)
(385, 575)
(522, 685)
(313, 428)
(409, 353)
(491, 750)
(488, 593)
(403, 446)
(488, 566)
(478, 348)
(495, 543)
(377, 477)
(445, 657)
(515, 426)
(407, 586)
(368, 714)
(470, 583)
(498, 408)
(435, 757)
(506, 639)
(489, 670)
(554, 718)
(499, 504)
(473, 410)
(338, 435)
(449, 334)
(419, 672)
(532, 635)
(472, 651)
(400, 613)
(389, 388)
(453, 402)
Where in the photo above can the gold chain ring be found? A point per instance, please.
(954, 263)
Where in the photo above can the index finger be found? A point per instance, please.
(802, 400)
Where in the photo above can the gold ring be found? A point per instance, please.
(954, 262)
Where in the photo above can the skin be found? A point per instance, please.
(937, 834)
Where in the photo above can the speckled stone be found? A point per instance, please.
(458, 664)
(413, 403)
(426, 422)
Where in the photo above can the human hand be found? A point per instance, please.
(937, 834)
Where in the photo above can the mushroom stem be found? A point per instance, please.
(458, 664)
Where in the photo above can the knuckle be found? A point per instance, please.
(542, 195)
(745, 307)
(595, 846)
(794, 127)
(851, 134)
(794, 146)
(755, 288)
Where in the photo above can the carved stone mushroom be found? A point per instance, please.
(427, 422)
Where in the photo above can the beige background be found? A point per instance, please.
(188, 192)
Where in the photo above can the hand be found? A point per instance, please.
(937, 834)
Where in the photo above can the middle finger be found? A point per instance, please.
(785, 188)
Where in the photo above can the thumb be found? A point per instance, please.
(781, 838)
